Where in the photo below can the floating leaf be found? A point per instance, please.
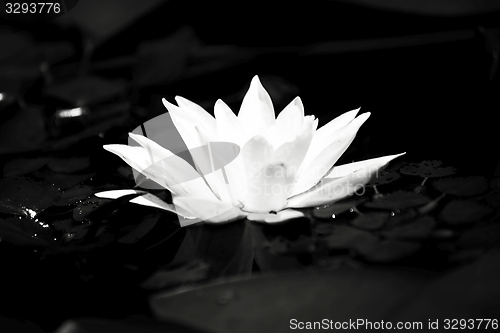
(384, 177)
(141, 230)
(465, 255)
(421, 228)
(24, 232)
(388, 250)
(370, 221)
(281, 245)
(337, 208)
(464, 211)
(346, 237)
(399, 200)
(428, 169)
(466, 187)
(61, 180)
(493, 200)
(86, 90)
(69, 165)
(22, 166)
(23, 197)
(25, 131)
(482, 236)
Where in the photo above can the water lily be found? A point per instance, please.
(283, 162)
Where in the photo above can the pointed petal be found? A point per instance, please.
(142, 161)
(147, 199)
(268, 182)
(204, 118)
(287, 124)
(209, 210)
(315, 167)
(327, 130)
(186, 125)
(257, 111)
(229, 127)
(371, 164)
(292, 153)
(281, 216)
(180, 172)
(331, 190)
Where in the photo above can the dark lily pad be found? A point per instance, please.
(25, 232)
(427, 169)
(346, 237)
(384, 177)
(493, 200)
(466, 187)
(22, 166)
(337, 208)
(281, 245)
(371, 221)
(86, 90)
(421, 228)
(23, 197)
(69, 165)
(399, 200)
(481, 236)
(388, 250)
(464, 211)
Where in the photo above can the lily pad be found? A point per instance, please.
(21, 196)
(481, 236)
(399, 200)
(388, 250)
(281, 245)
(337, 208)
(22, 166)
(371, 221)
(69, 165)
(346, 237)
(464, 211)
(384, 177)
(467, 187)
(421, 228)
(25, 232)
(427, 169)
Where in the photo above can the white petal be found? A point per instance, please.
(293, 153)
(146, 199)
(143, 161)
(209, 210)
(315, 167)
(333, 189)
(186, 124)
(257, 111)
(268, 182)
(204, 118)
(372, 164)
(281, 216)
(183, 175)
(287, 124)
(325, 131)
(229, 127)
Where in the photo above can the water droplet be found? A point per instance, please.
(333, 216)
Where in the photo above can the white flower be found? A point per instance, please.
(284, 162)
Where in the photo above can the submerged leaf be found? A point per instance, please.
(428, 169)
(399, 200)
(371, 221)
(22, 166)
(466, 187)
(69, 165)
(464, 211)
(346, 237)
(421, 228)
(23, 197)
(24, 232)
